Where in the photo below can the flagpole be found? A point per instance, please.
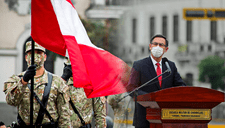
(32, 79)
(32, 87)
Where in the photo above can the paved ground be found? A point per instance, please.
(8, 113)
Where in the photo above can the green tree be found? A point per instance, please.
(96, 32)
(103, 35)
(211, 69)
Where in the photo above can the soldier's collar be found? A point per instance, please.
(42, 79)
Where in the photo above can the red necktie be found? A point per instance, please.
(158, 71)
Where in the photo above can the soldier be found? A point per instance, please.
(18, 93)
(85, 106)
(123, 110)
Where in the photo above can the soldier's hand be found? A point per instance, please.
(30, 73)
(67, 72)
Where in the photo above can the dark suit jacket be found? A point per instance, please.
(143, 71)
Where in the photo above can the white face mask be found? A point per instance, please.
(157, 51)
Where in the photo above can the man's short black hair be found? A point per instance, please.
(1, 123)
(162, 36)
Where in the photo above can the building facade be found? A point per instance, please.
(190, 41)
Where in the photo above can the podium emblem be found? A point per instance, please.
(186, 114)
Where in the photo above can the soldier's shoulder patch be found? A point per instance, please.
(13, 78)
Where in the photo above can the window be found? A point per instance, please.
(152, 27)
(124, 50)
(107, 2)
(189, 31)
(175, 28)
(164, 26)
(142, 50)
(209, 48)
(189, 79)
(113, 2)
(201, 48)
(213, 31)
(130, 50)
(134, 31)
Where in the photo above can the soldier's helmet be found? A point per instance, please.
(36, 46)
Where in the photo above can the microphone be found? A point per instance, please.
(167, 64)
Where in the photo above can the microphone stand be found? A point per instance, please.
(136, 89)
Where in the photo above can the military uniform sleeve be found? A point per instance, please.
(99, 107)
(63, 106)
(14, 89)
(113, 102)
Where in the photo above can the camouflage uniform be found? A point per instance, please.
(58, 106)
(123, 111)
(18, 94)
(86, 107)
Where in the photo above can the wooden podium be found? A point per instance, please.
(180, 107)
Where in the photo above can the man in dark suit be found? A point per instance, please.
(148, 68)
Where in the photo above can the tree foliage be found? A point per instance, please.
(211, 69)
(96, 32)
(103, 35)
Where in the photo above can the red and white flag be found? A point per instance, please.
(56, 26)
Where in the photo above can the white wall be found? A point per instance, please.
(23, 7)
(7, 68)
(81, 6)
(100, 2)
(201, 28)
(59, 64)
(12, 25)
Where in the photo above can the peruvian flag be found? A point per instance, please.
(56, 26)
